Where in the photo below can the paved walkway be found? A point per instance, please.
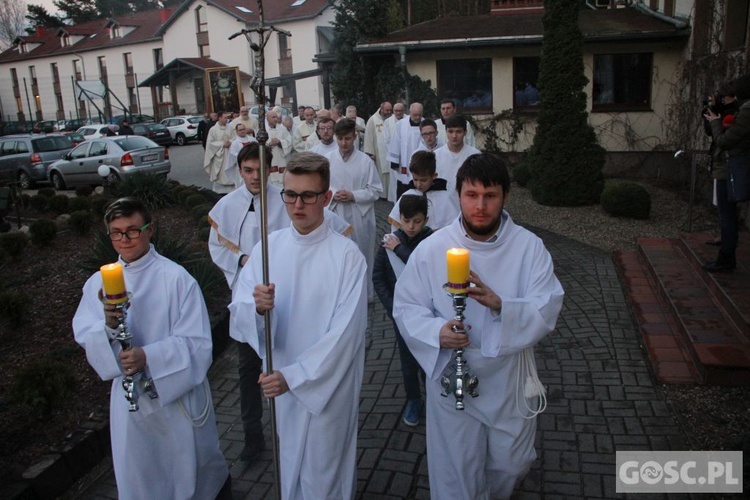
(601, 398)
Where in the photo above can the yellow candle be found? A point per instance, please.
(113, 283)
(458, 268)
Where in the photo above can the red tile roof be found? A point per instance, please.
(96, 33)
(596, 25)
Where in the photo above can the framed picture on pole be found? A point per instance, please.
(223, 87)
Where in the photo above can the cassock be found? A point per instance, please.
(469, 139)
(404, 142)
(231, 168)
(375, 145)
(279, 151)
(481, 451)
(360, 176)
(235, 227)
(318, 334)
(169, 448)
(389, 126)
(447, 164)
(442, 206)
(324, 149)
(301, 134)
(213, 159)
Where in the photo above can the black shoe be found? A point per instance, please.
(253, 449)
(719, 265)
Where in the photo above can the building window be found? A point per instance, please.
(102, 68)
(468, 82)
(65, 40)
(201, 22)
(205, 51)
(525, 83)
(55, 73)
(285, 51)
(735, 24)
(77, 69)
(127, 58)
(114, 32)
(32, 74)
(158, 59)
(622, 82)
(22, 47)
(14, 76)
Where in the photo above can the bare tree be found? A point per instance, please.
(12, 21)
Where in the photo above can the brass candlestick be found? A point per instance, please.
(458, 380)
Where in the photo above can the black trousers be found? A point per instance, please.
(251, 401)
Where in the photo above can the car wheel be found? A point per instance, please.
(25, 180)
(113, 177)
(180, 139)
(57, 181)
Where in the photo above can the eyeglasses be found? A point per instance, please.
(325, 129)
(308, 197)
(427, 134)
(132, 234)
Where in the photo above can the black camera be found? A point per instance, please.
(717, 106)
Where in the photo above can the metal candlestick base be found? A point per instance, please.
(137, 383)
(458, 380)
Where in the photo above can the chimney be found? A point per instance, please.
(41, 31)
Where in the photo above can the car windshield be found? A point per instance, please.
(131, 142)
(195, 119)
(52, 144)
(156, 126)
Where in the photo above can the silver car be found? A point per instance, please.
(123, 155)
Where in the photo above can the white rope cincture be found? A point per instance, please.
(528, 385)
(201, 419)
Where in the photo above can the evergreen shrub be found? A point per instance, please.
(79, 203)
(13, 244)
(204, 222)
(24, 201)
(39, 202)
(43, 383)
(200, 211)
(194, 201)
(59, 204)
(184, 195)
(84, 190)
(522, 174)
(99, 205)
(80, 222)
(47, 192)
(155, 191)
(43, 232)
(626, 199)
(14, 307)
(203, 233)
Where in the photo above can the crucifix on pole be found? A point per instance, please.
(258, 86)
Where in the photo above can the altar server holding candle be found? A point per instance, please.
(169, 448)
(514, 301)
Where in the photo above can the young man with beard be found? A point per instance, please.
(324, 134)
(515, 298)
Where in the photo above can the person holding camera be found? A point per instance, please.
(725, 105)
(731, 139)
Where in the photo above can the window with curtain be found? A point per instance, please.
(622, 82)
(468, 82)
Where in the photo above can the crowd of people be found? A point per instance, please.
(326, 265)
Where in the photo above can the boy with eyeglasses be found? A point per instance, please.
(317, 300)
(356, 186)
(169, 448)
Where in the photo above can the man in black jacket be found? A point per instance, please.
(209, 120)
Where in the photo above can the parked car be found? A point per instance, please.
(117, 119)
(183, 129)
(74, 137)
(154, 131)
(11, 128)
(24, 158)
(95, 131)
(73, 124)
(45, 126)
(124, 155)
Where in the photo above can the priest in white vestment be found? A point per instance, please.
(375, 145)
(486, 449)
(217, 144)
(389, 127)
(303, 130)
(318, 303)
(356, 187)
(169, 448)
(242, 139)
(404, 142)
(280, 142)
(251, 124)
(450, 157)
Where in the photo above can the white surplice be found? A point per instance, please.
(389, 126)
(375, 145)
(235, 230)
(442, 208)
(406, 139)
(469, 139)
(481, 451)
(169, 448)
(300, 135)
(323, 149)
(447, 163)
(360, 176)
(231, 168)
(318, 333)
(280, 151)
(213, 158)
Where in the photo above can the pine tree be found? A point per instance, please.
(39, 16)
(565, 162)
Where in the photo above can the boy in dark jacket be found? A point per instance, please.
(389, 262)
